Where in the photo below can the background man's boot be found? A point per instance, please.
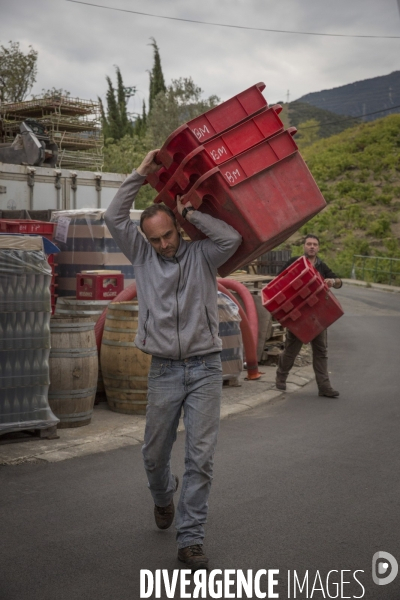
(280, 381)
(328, 392)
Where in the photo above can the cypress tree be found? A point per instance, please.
(113, 113)
(144, 116)
(115, 121)
(157, 82)
(122, 100)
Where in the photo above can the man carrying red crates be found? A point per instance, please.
(178, 326)
(319, 344)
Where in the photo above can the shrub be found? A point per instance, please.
(380, 227)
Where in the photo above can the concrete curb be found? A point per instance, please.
(110, 431)
(376, 286)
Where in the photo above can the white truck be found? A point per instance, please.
(31, 188)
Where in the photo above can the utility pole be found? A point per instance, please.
(287, 103)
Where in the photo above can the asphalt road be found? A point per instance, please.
(305, 485)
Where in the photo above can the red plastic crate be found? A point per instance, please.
(227, 114)
(281, 281)
(198, 164)
(266, 194)
(99, 286)
(194, 165)
(43, 228)
(315, 314)
(223, 147)
(296, 299)
(291, 283)
(239, 139)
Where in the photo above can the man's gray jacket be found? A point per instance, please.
(178, 312)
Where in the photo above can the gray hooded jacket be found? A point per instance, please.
(178, 315)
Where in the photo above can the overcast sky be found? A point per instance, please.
(79, 45)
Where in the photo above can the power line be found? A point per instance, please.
(350, 118)
(135, 12)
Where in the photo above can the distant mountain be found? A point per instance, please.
(360, 98)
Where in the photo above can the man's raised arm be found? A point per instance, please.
(223, 240)
(117, 216)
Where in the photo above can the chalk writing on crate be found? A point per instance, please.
(232, 176)
(216, 154)
(200, 132)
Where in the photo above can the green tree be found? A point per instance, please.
(122, 157)
(115, 120)
(181, 102)
(17, 72)
(52, 93)
(157, 82)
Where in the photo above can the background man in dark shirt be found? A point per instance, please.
(319, 344)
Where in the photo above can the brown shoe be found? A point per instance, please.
(194, 557)
(329, 393)
(164, 515)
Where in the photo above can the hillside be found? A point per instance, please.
(358, 171)
(360, 97)
(296, 113)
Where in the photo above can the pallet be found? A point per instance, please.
(27, 435)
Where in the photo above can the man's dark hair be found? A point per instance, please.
(152, 210)
(311, 235)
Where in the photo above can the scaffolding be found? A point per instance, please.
(73, 124)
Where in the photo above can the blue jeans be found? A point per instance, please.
(194, 384)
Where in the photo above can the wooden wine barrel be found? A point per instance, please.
(73, 366)
(69, 305)
(125, 367)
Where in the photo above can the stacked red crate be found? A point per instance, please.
(236, 162)
(301, 301)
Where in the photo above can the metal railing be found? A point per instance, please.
(378, 269)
